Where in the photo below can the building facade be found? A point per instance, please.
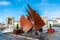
(10, 21)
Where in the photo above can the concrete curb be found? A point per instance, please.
(27, 38)
(50, 35)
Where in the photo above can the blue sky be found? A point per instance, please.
(16, 8)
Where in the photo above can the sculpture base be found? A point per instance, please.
(17, 32)
(50, 30)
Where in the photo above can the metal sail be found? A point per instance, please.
(29, 18)
(29, 14)
(25, 24)
(38, 22)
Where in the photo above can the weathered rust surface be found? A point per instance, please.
(25, 24)
(29, 18)
(22, 21)
(29, 14)
(33, 19)
(38, 22)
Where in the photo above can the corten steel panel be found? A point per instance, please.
(38, 22)
(29, 18)
(26, 24)
(22, 21)
(29, 15)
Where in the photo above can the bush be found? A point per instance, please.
(50, 26)
(17, 27)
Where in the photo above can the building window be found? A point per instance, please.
(9, 21)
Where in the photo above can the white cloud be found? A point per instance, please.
(52, 14)
(49, 10)
(4, 3)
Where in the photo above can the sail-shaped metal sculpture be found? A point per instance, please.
(38, 22)
(33, 20)
(25, 24)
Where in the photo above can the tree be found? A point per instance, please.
(50, 26)
(17, 27)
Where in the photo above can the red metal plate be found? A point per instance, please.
(25, 24)
(38, 22)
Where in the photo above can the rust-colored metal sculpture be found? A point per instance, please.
(32, 20)
(38, 22)
(25, 24)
